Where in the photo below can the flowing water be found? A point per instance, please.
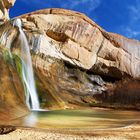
(27, 70)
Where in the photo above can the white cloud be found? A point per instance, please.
(129, 32)
(70, 4)
(89, 4)
(132, 29)
(134, 10)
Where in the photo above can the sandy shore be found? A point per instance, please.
(131, 132)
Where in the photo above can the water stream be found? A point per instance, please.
(27, 70)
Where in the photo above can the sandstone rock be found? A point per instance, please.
(123, 94)
(6, 129)
(68, 49)
(78, 42)
(12, 98)
(4, 9)
(81, 42)
(8, 3)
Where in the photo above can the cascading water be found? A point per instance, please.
(27, 70)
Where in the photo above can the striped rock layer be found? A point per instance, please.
(70, 54)
(74, 38)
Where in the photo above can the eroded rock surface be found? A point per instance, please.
(75, 61)
(74, 38)
(68, 48)
(5, 5)
(12, 98)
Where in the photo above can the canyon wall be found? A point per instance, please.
(76, 62)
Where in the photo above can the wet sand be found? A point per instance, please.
(131, 132)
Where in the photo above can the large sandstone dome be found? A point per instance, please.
(75, 61)
(81, 42)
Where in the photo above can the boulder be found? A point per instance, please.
(6, 129)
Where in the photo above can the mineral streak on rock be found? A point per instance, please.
(72, 38)
(68, 49)
(81, 42)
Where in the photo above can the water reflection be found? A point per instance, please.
(96, 119)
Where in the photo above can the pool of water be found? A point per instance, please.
(82, 119)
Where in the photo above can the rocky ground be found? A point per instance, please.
(126, 133)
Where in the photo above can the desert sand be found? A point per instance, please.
(131, 132)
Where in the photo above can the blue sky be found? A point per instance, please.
(120, 16)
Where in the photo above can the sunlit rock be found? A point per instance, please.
(76, 62)
(5, 5)
(12, 99)
(74, 38)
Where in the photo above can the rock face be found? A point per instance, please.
(68, 49)
(75, 61)
(4, 9)
(74, 38)
(12, 98)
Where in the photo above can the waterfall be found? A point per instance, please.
(27, 70)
